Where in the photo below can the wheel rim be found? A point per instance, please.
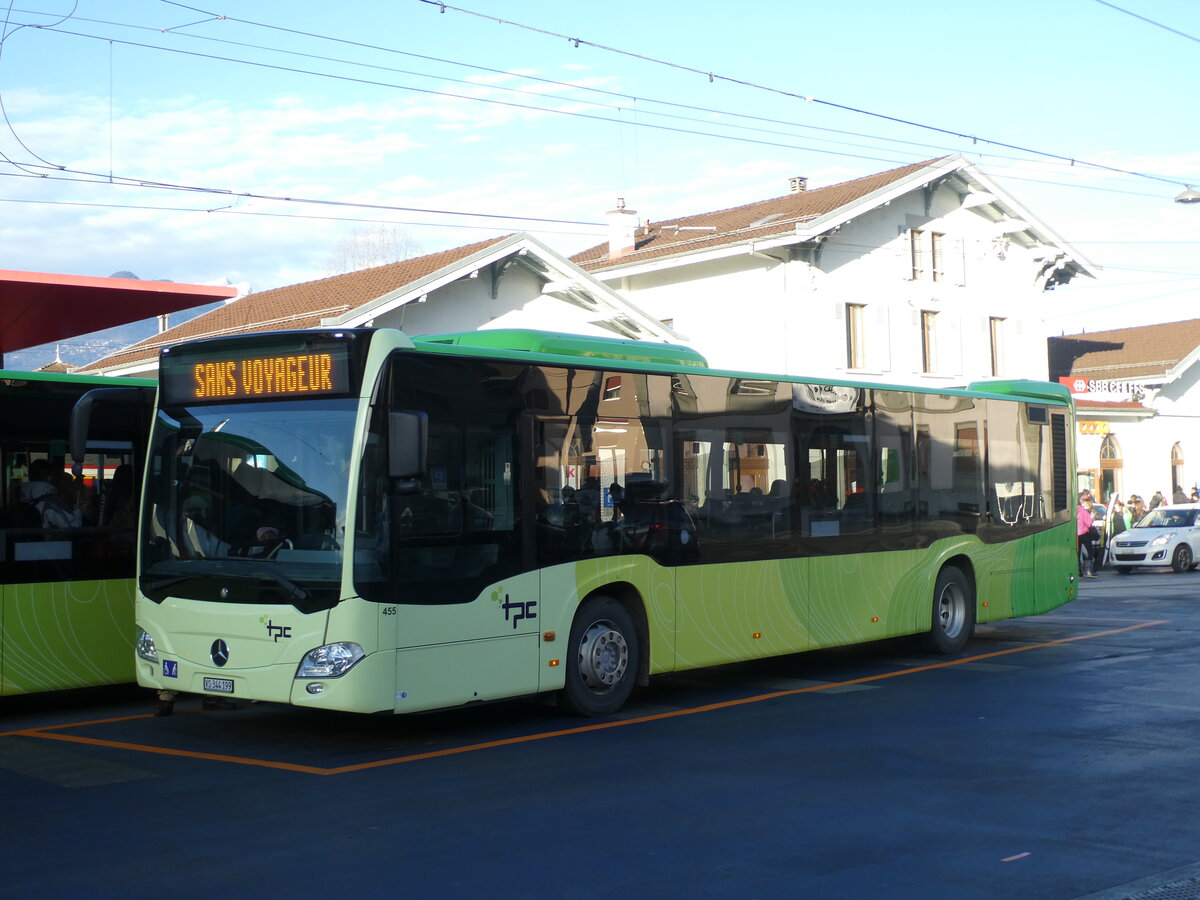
(952, 610)
(1185, 558)
(603, 657)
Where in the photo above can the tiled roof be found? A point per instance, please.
(1143, 352)
(754, 221)
(295, 306)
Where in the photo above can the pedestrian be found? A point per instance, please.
(1137, 507)
(1194, 496)
(1084, 529)
(1157, 500)
(1120, 521)
(1179, 496)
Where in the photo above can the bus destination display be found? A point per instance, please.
(315, 372)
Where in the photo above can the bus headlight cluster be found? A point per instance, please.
(330, 661)
(145, 647)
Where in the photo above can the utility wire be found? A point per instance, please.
(98, 178)
(131, 181)
(713, 76)
(233, 211)
(471, 98)
(1149, 21)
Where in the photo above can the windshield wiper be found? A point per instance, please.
(290, 587)
(163, 583)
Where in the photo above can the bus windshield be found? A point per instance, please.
(248, 502)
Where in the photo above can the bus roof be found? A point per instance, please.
(557, 344)
(512, 343)
(1024, 389)
(68, 378)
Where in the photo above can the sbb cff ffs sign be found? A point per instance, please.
(1077, 385)
(1090, 427)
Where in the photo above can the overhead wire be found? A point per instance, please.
(714, 76)
(574, 86)
(1182, 34)
(234, 211)
(469, 98)
(98, 178)
(92, 177)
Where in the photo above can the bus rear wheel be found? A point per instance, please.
(602, 659)
(953, 614)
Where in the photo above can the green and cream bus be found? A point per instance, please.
(359, 520)
(67, 540)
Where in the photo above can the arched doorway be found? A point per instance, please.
(1110, 468)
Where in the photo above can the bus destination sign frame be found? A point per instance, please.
(319, 369)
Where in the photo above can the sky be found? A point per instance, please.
(259, 142)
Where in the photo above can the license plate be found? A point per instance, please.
(218, 685)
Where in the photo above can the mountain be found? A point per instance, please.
(79, 351)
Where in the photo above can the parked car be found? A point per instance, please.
(1167, 536)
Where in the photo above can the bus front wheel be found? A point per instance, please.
(602, 658)
(953, 617)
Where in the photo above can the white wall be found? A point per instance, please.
(467, 305)
(755, 313)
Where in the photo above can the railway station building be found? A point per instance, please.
(1137, 400)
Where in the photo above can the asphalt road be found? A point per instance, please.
(1054, 758)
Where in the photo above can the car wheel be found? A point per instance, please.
(953, 612)
(1182, 560)
(602, 659)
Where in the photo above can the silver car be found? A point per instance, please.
(1167, 536)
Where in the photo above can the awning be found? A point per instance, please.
(40, 308)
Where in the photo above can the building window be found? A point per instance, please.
(856, 346)
(928, 341)
(936, 257)
(917, 247)
(1110, 468)
(996, 328)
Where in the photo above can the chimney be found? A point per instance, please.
(622, 230)
(797, 184)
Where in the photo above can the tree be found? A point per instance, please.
(365, 248)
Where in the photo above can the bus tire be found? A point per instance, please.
(602, 658)
(953, 612)
(1182, 561)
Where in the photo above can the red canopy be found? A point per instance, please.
(39, 308)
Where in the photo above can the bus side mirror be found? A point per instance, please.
(81, 415)
(408, 441)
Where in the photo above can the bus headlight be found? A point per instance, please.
(330, 661)
(145, 646)
(1162, 540)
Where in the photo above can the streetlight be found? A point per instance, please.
(1188, 196)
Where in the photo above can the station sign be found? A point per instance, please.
(1099, 388)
